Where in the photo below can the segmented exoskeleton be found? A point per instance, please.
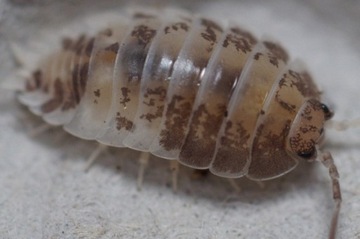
(184, 87)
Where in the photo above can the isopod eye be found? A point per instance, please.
(328, 113)
(309, 155)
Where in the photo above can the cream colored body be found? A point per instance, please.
(180, 87)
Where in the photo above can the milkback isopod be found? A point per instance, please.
(184, 87)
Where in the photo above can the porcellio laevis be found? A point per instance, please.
(186, 88)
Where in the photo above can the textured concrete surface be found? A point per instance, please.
(45, 193)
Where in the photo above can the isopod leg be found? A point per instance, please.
(33, 133)
(234, 185)
(143, 162)
(174, 168)
(328, 161)
(261, 184)
(94, 156)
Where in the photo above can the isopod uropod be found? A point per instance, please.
(186, 88)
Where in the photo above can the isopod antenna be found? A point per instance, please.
(327, 160)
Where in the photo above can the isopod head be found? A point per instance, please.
(307, 129)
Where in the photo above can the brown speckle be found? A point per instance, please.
(242, 40)
(304, 84)
(97, 93)
(123, 122)
(200, 141)
(210, 34)
(257, 55)
(113, 47)
(247, 35)
(125, 93)
(177, 116)
(233, 152)
(268, 155)
(176, 26)
(144, 34)
(159, 93)
(278, 52)
(288, 107)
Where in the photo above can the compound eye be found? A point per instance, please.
(328, 113)
(309, 155)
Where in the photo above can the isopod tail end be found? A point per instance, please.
(21, 59)
(327, 160)
(24, 62)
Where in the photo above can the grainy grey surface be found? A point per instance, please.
(45, 193)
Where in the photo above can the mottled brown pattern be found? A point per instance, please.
(199, 145)
(97, 93)
(233, 152)
(242, 40)
(176, 26)
(247, 35)
(278, 51)
(176, 119)
(123, 123)
(257, 55)
(238, 140)
(282, 81)
(125, 93)
(309, 129)
(287, 106)
(154, 95)
(113, 48)
(203, 132)
(210, 31)
(269, 158)
(57, 100)
(144, 34)
(149, 117)
(300, 146)
(304, 84)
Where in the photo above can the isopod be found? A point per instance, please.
(186, 88)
